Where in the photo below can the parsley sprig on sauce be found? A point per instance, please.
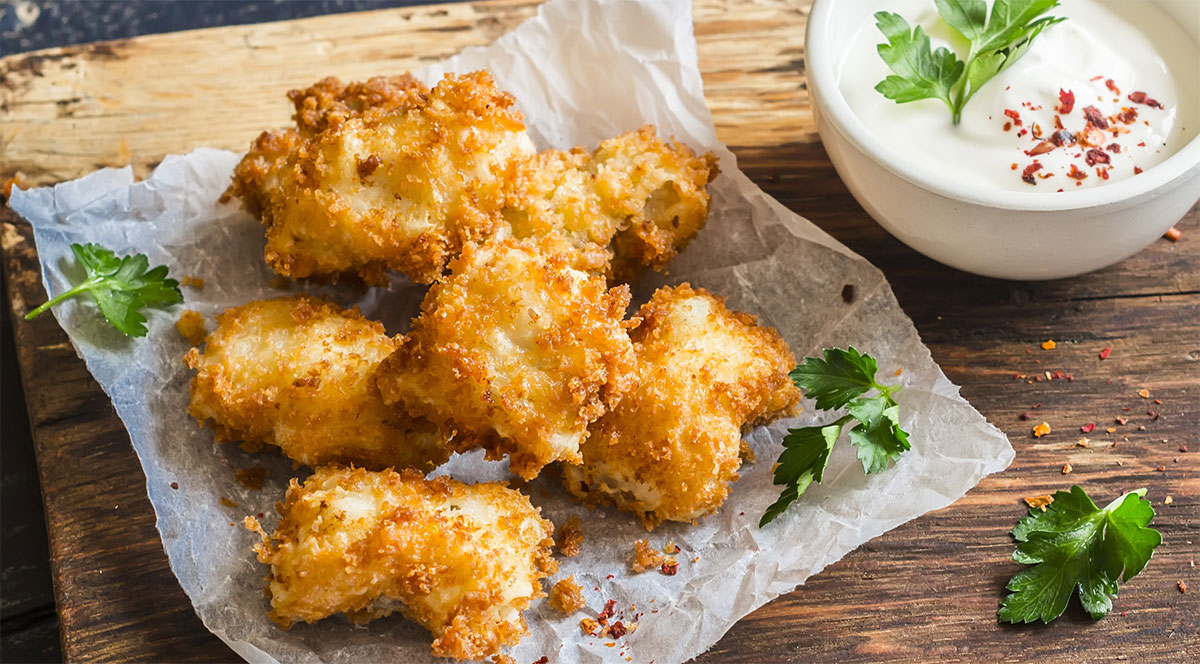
(842, 379)
(1074, 544)
(121, 287)
(997, 42)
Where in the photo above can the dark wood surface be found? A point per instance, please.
(926, 591)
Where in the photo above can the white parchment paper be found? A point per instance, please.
(582, 71)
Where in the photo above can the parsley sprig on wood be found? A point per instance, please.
(842, 379)
(1072, 545)
(997, 42)
(121, 286)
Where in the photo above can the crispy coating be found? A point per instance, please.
(645, 557)
(569, 538)
(567, 596)
(516, 351)
(297, 372)
(635, 202)
(670, 449)
(386, 176)
(190, 326)
(461, 560)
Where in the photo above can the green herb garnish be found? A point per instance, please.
(996, 44)
(839, 380)
(120, 286)
(1074, 544)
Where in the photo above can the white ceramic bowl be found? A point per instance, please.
(1010, 235)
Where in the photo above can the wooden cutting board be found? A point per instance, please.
(928, 590)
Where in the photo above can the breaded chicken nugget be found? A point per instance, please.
(517, 351)
(461, 560)
(298, 373)
(386, 178)
(669, 449)
(637, 199)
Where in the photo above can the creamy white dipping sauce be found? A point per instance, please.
(1133, 43)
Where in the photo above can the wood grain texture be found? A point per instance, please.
(926, 591)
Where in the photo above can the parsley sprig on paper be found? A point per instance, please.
(121, 286)
(997, 42)
(841, 379)
(1074, 544)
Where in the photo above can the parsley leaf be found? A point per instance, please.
(121, 287)
(996, 43)
(1075, 544)
(840, 379)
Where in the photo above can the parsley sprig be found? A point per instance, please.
(121, 286)
(1075, 544)
(839, 380)
(996, 44)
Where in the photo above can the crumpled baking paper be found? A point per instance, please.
(581, 71)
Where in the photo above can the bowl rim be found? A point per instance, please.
(827, 96)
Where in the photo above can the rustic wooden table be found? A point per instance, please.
(928, 590)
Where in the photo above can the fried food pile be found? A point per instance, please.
(522, 348)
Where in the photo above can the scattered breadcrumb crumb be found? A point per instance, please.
(569, 539)
(192, 282)
(1048, 344)
(1083, 442)
(1066, 469)
(1144, 393)
(567, 596)
(1168, 500)
(1173, 234)
(670, 547)
(1041, 430)
(1039, 502)
(227, 502)
(747, 453)
(589, 626)
(645, 557)
(501, 658)
(191, 326)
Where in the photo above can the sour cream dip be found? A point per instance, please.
(1103, 96)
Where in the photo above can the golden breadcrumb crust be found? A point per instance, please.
(386, 178)
(567, 596)
(297, 372)
(516, 351)
(461, 560)
(635, 202)
(670, 448)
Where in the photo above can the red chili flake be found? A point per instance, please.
(1128, 115)
(670, 568)
(1173, 234)
(1027, 174)
(1183, 448)
(1045, 176)
(1161, 469)
(610, 576)
(617, 630)
(1014, 166)
(1088, 428)
(1114, 148)
(542, 660)
(1137, 171)
(1058, 122)
(174, 485)
(1036, 406)
(1007, 126)
(848, 293)
(1077, 174)
(1095, 78)
(1094, 117)
(1040, 148)
(1022, 133)
(1037, 130)
(1092, 137)
(1122, 420)
(608, 611)
(1066, 101)
(1023, 416)
(1141, 98)
(1102, 172)
(1182, 586)
(1153, 414)
(1141, 144)
(1095, 156)
(1112, 86)
(1158, 401)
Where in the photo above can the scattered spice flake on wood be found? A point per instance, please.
(1041, 430)
(1088, 428)
(1104, 353)
(1144, 393)
(1168, 500)
(645, 557)
(1066, 469)
(1039, 502)
(567, 596)
(1083, 442)
(1182, 586)
(569, 539)
(1048, 344)
(1173, 234)
(1122, 420)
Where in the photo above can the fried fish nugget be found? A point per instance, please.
(297, 373)
(635, 202)
(461, 560)
(670, 448)
(396, 179)
(515, 350)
